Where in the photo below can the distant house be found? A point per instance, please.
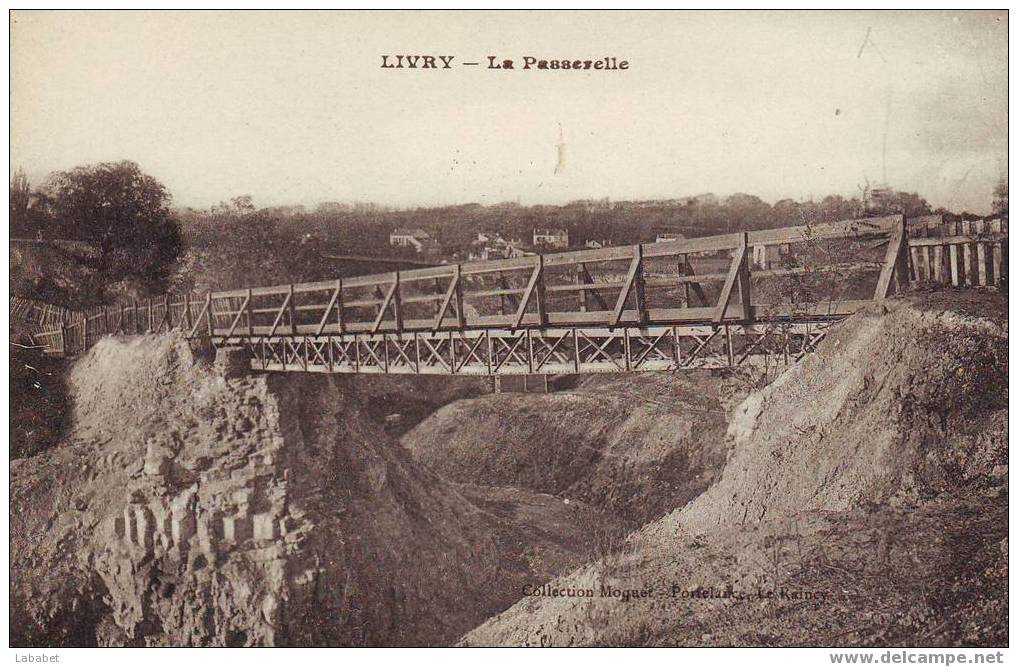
(556, 238)
(597, 244)
(410, 238)
(491, 245)
(669, 236)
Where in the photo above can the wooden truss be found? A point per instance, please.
(527, 351)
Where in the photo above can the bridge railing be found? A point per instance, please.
(805, 273)
(701, 280)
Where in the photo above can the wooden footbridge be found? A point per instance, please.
(758, 297)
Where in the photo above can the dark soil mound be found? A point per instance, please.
(636, 446)
(865, 503)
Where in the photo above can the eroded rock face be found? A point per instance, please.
(189, 507)
(198, 554)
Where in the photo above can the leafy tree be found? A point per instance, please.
(1000, 197)
(123, 215)
(20, 195)
(888, 202)
(29, 213)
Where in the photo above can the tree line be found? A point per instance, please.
(138, 244)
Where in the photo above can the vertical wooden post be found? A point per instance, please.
(339, 304)
(291, 309)
(1004, 277)
(744, 280)
(150, 316)
(438, 302)
(583, 293)
(539, 294)
(640, 287)
(901, 267)
(981, 261)
(250, 320)
(187, 311)
(896, 262)
(967, 263)
(461, 316)
(208, 314)
(501, 297)
(996, 264)
(685, 285)
(953, 252)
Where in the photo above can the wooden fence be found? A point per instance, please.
(39, 313)
(961, 261)
(81, 330)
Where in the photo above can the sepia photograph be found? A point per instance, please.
(509, 328)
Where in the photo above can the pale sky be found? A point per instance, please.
(296, 108)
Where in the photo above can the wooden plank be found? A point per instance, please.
(385, 303)
(1004, 274)
(250, 317)
(510, 294)
(981, 262)
(596, 294)
(696, 287)
(291, 298)
(745, 284)
(845, 228)
(633, 276)
(689, 246)
(450, 292)
(535, 278)
(953, 252)
(996, 264)
(236, 319)
(726, 291)
(894, 267)
(279, 314)
(397, 306)
(328, 309)
(967, 264)
(926, 267)
(483, 294)
(580, 284)
(203, 311)
(938, 263)
(942, 240)
(208, 314)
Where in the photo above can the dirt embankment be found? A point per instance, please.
(186, 507)
(635, 446)
(865, 503)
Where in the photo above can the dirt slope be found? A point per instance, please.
(187, 507)
(865, 503)
(636, 446)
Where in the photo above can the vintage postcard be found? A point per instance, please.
(510, 329)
